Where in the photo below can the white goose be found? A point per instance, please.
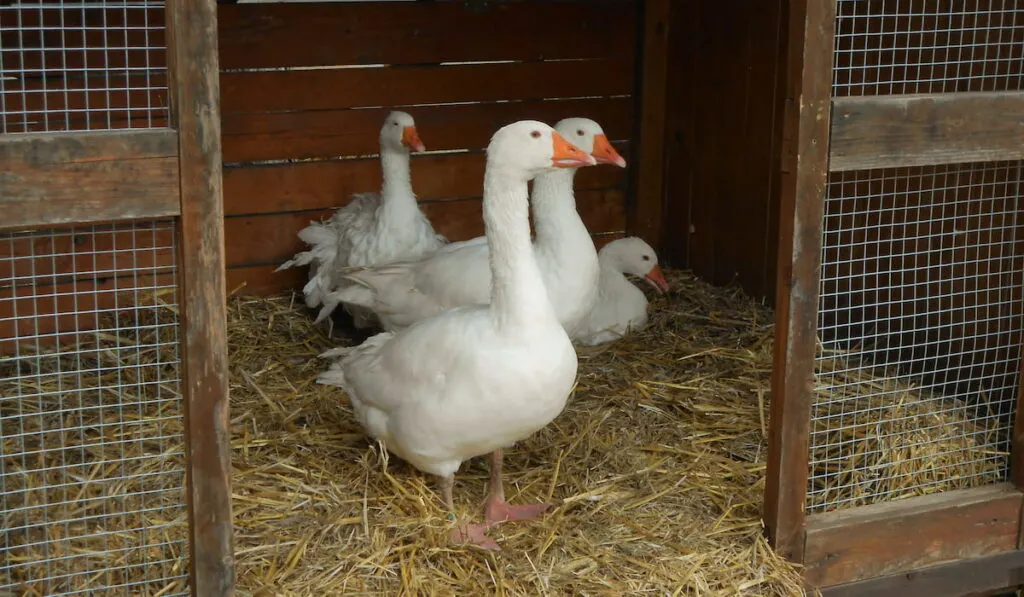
(374, 228)
(621, 306)
(476, 379)
(402, 293)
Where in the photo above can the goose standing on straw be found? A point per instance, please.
(621, 306)
(402, 293)
(374, 228)
(475, 379)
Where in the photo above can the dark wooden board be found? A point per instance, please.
(402, 32)
(312, 134)
(106, 97)
(336, 89)
(272, 238)
(883, 539)
(923, 130)
(808, 80)
(52, 179)
(318, 185)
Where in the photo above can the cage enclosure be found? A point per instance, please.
(854, 165)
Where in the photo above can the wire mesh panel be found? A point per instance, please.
(920, 320)
(928, 46)
(92, 468)
(82, 66)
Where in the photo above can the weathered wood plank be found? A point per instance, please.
(923, 130)
(884, 539)
(195, 90)
(805, 162)
(62, 178)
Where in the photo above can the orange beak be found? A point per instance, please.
(656, 279)
(604, 153)
(567, 155)
(410, 138)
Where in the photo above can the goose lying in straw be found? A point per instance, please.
(374, 228)
(403, 293)
(621, 306)
(475, 379)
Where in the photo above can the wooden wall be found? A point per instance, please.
(724, 127)
(301, 119)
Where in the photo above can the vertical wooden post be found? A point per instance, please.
(648, 157)
(195, 103)
(805, 175)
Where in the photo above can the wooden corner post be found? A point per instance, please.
(195, 113)
(804, 164)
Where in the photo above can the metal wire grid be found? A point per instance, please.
(888, 47)
(920, 319)
(82, 66)
(91, 433)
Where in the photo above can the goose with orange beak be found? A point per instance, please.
(374, 228)
(459, 274)
(475, 380)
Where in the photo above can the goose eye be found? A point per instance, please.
(535, 134)
(646, 257)
(395, 123)
(579, 132)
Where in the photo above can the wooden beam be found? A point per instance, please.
(802, 198)
(195, 102)
(644, 211)
(922, 130)
(971, 578)
(50, 179)
(883, 539)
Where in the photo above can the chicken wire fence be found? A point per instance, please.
(92, 467)
(82, 66)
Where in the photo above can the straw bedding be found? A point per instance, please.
(657, 465)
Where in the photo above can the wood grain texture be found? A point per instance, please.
(808, 82)
(924, 130)
(336, 89)
(192, 53)
(403, 32)
(883, 539)
(979, 577)
(57, 178)
(645, 210)
(301, 135)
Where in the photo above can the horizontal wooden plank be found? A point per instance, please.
(318, 185)
(999, 573)
(335, 89)
(922, 130)
(262, 280)
(272, 238)
(884, 539)
(312, 134)
(271, 35)
(52, 179)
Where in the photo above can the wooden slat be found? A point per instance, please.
(51, 179)
(318, 185)
(645, 214)
(192, 57)
(272, 238)
(95, 99)
(402, 32)
(802, 196)
(300, 135)
(978, 577)
(352, 88)
(883, 539)
(923, 130)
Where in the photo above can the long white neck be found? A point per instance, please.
(396, 190)
(555, 219)
(518, 295)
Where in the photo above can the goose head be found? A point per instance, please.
(399, 133)
(589, 136)
(531, 147)
(631, 255)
